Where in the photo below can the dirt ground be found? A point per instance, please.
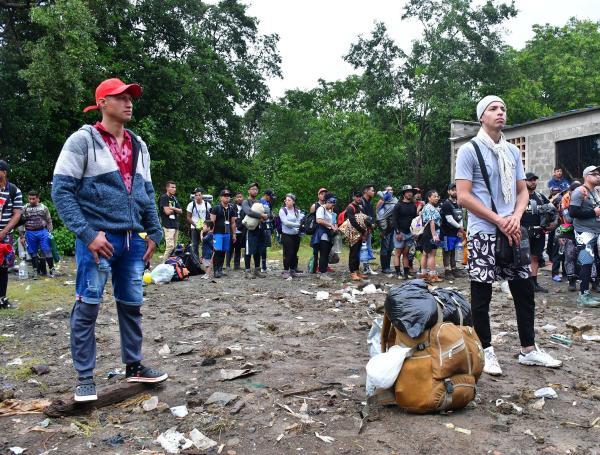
(295, 343)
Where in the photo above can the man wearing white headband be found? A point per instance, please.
(509, 197)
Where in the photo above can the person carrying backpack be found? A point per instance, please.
(323, 236)
(197, 212)
(313, 209)
(223, 216)
(354, 208)
(384, 209)
(290, 218)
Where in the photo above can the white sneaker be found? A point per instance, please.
(491, 366)
(370, 271)
(539, 357)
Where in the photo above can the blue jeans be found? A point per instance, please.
(37, 240)
(127, 267)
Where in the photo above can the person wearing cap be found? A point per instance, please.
(384, 209)
(584, 208)
(565, 238)
(103, 192)
(452, 232)
(404, 212)
(291, 219)
(223, 217)
(198, 211)
(353, 209)
(255, 239)
(267, 201)
(532, 221)
(558, 182)
(510, 197)
(170, 209)
(323, 235)
(11, 207)
(313, 208)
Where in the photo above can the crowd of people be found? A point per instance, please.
(103, 193)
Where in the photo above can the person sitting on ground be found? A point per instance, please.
(38, 225)
(584, 208)
(198, 211)
(323, 236)
(291, 219)
(490, 212)
(223, 217)
(430, 237)
(452, 232)
(207, 240)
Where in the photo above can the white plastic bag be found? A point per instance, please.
(162, 273)
(374, 338)
(384, 368)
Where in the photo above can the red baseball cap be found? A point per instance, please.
(114, 86)
(322, 190)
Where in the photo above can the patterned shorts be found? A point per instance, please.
(482, 262)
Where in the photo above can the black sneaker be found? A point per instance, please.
(538, 288)
(140, 373)
(85, 390)
(4, 303)
(572, 285)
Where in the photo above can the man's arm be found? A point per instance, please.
(48, 219)
(247, 208)
(150, 219)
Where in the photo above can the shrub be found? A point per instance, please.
(65, 241)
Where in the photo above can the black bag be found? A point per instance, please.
(456, 309)
(309, 223)
(412, 309)
(506, 255)
(192, 262)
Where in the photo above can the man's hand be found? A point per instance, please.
(264, 217)
(512, 237)
(513, 225)
(233, 238)
(150, 247)
(596, 211)
(100, 246)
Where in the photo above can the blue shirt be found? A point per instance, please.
(207, 246)
(561, 184)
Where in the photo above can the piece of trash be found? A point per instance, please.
(579, 324)
(280, 437)
(369, 289)
(116, 372)
(508, 407)
(592, 336)
(322, 295)
(299, 318)
(462, 430)
(237, 407)
(538, 439)
(505, 288)
(549, 328)
(545, 392)
(179, 411)
(327, 439)
(304, 418)
(173, 441)
(538, 405)
(150, 404)
(15, 362)
(302, 291)
(114, 440)
(201, 441)
(228, 375)
(40, 369)
(165, 350)
(562, 339)
(17, 450)
(449, 425)
(44, 423)
(21, 407)
(221, 398)
(205, 315)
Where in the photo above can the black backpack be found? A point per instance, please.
(191, 262)
(309, 222)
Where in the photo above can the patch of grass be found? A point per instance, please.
(38, 295)
(21, 372)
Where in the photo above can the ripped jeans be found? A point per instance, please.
(127, 267)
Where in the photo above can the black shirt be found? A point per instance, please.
(223, 215)
(531, 216)
(402, 216)
(368, 208)
(168, 221)
(450, 208)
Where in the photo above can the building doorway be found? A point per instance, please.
(574, 155)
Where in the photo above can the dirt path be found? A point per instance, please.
(295, 343)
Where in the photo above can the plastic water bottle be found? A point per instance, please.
(23, 272)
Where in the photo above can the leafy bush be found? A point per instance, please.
(65, 241)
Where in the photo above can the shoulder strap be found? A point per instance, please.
(484, 172)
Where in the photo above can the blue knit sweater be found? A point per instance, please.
(89, 192)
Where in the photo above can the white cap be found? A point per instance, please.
(589, 169)
(485, 102)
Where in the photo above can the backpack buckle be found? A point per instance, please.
(421, 346)
(449, 386)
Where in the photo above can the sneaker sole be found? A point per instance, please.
(83, 399)
(149, 380)
(493, 374)
(537, 364)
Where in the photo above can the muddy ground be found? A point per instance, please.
(295, 343)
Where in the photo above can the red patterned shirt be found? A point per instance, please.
(123, 155)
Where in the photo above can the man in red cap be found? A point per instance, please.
(103, 193)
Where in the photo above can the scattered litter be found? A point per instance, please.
(383, 369)
(545, 392)
(374, 337)
(179, 411)
(17, 450)
(205, 315)
(201, 441)
(370, 289)
(538, 405)
(299, 318)
(165, 350)
(221, 398)
(302, 291)
(150, 404)
(115, 440)
(15, 362)
(116, 372)
(508, 407)
(349, 297)
(592, 336)
(451, 426)
(40, 369)
(303, 416)
(327, 439)
(173, 441)
(162, 273)
(322, 295)
(549, 328)
(593, 424)
(538, 439)
(566, 341)
(228, 375)
(44, 423)
(505, 288)
(21, 407)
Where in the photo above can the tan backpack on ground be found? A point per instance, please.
(441, 374)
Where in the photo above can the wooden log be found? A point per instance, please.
(115, 393)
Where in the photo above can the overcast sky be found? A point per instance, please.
(315, 34)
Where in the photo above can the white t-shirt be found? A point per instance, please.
(329, 216)
(198, 211)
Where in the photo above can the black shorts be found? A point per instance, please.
(427, 241)
(537, 241)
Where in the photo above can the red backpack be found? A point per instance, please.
(342, 216)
